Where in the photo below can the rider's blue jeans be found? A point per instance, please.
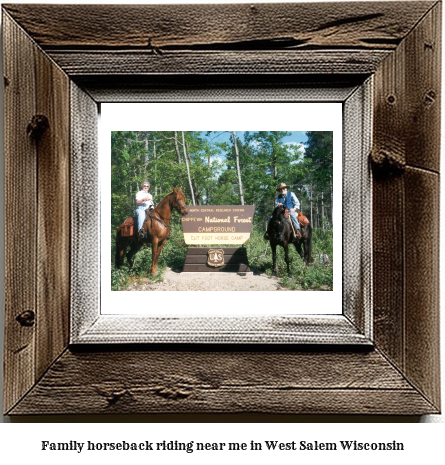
(293, 215)
(140, 211)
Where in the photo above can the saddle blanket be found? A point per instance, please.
(127, 228)
(300, 217)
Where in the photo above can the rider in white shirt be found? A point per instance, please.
(144, 201)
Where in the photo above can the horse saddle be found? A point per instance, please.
(300, 217)
(128, 227)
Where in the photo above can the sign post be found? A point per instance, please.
(216, 226)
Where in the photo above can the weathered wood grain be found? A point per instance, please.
(388, 268)
(53, 206)
(153, 27)
(38, 217)
(407, 113)
(220, 88)
(127, 63)
(221, 382)
(20, 214)
(356, 217)
(389, 142)
(334, 330)
(423, 92)
(406, 132)
(422, 324)
(85, 210)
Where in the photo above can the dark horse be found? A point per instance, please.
(280, 233)
(157, 229)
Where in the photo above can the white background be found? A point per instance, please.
(219, 117)
(21, 442)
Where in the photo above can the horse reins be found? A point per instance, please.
(160, 221)
(287, 215)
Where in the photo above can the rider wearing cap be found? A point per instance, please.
(291, 203)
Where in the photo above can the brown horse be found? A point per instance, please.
(157, 230)
(280, 233)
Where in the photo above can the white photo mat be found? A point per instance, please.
(218, 117)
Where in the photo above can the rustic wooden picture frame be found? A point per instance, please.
(75, 57)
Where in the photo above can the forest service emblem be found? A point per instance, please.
(215, 257)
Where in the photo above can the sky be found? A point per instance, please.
(298, 137)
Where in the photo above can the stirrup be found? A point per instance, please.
(298, 234)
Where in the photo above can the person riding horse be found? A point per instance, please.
(156, 230)
(144, 201)
(291, 203)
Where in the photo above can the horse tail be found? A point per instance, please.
(117, 257)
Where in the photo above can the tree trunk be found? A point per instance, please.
(195, 187)
(178, 153)
(312, 217)
(154, 155)
(332, 203)
(208, 182)
(322, 209)
(146, 158)
(237, 168)
(266, 216)
(188, 169)
(316, 211)
(275, 175)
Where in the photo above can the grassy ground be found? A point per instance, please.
(172, 255)
(317, 276)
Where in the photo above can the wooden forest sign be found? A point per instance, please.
(218, 224)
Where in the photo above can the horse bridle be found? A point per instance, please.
(182, 209)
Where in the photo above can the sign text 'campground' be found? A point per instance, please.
(218, 224)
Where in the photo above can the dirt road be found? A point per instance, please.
(175, 281)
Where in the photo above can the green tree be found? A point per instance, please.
(271, 162)
(318, 157)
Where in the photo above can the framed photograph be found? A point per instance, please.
(369, 344)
